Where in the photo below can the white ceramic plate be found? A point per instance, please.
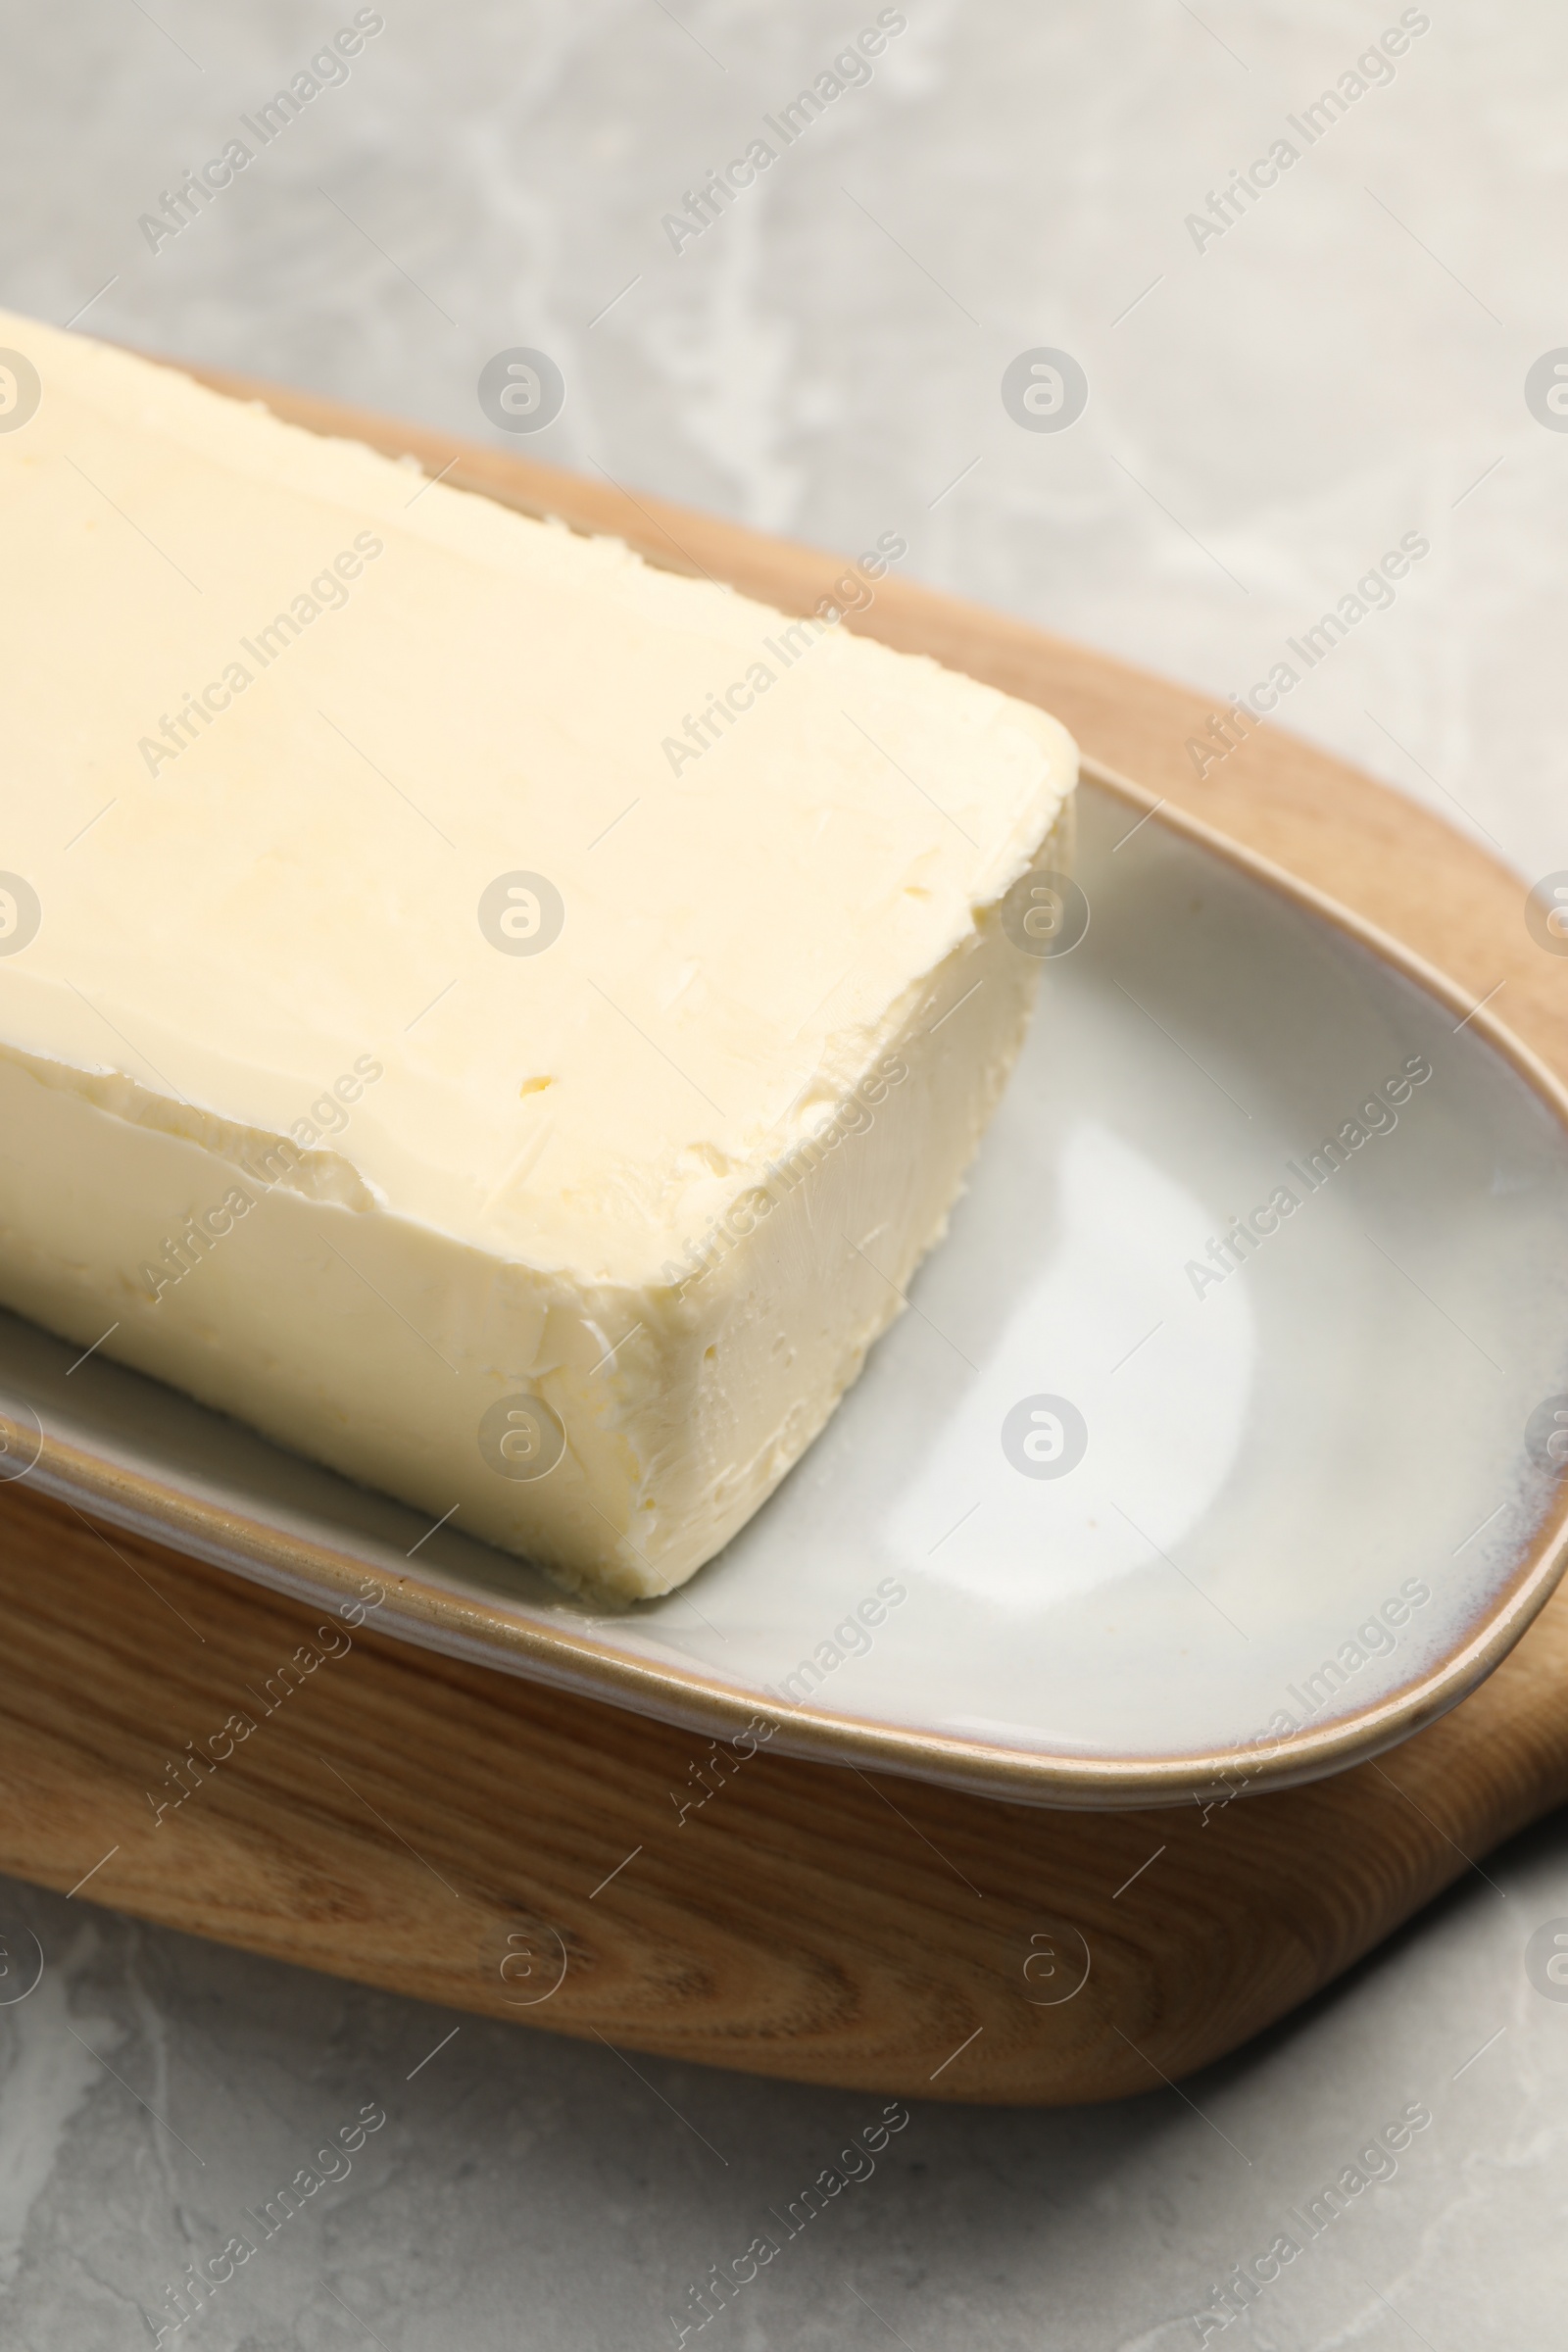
(1313, 1504)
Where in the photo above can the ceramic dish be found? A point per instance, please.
(1133, 1503)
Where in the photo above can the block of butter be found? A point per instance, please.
(502, 1020)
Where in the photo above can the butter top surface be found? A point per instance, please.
(264, 895)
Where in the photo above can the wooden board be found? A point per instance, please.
(399, 1817)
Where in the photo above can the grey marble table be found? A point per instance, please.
(1284, 376)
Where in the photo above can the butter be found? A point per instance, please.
(401, 1048)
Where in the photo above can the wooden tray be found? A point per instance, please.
(480, 1840)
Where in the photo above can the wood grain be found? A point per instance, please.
(399, 1815)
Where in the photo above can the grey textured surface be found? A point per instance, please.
(1344, 365)
(532, 2192)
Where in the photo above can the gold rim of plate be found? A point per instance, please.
(435, 1616)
